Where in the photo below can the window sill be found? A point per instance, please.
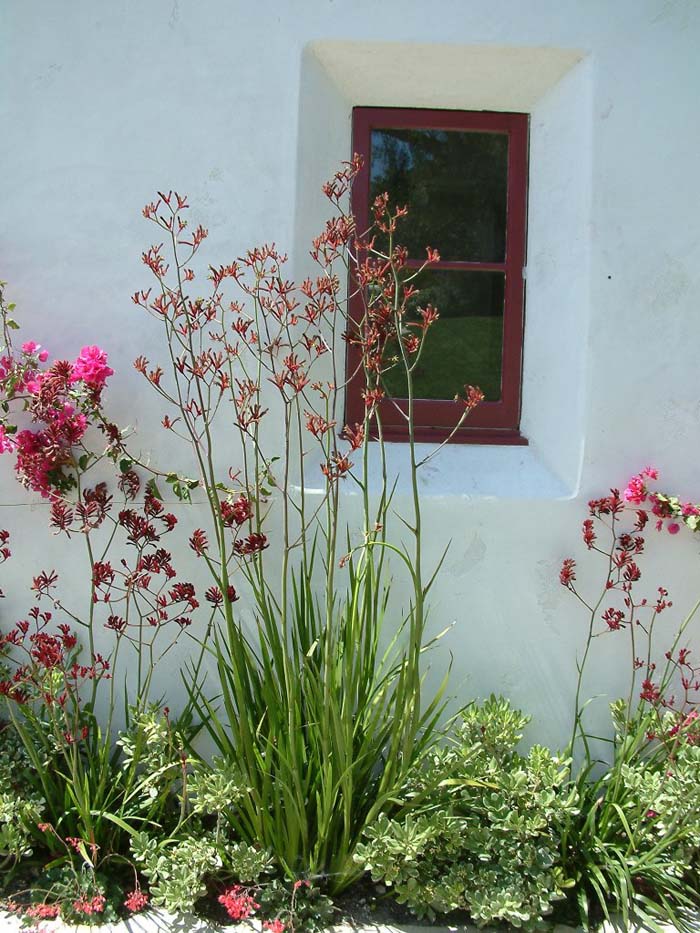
(480, 436)
(462, 471)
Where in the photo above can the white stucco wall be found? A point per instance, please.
(246, 108)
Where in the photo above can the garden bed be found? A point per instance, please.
(329, 758)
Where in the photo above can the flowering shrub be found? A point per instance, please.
(52, 675)
(621, 519)
(634, 845)
(295, 905)
(51, 692)
(62, 399)
(74, 896)
(238, 903)
(505, 836)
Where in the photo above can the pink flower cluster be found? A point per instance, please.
(92, 905)
(61, 400)
(42, 911)
(274, 926)
(620, 608)
(669, 511)
(238, 902)
(636, 491)
(30, 348)
(7, 444)
(136, 901)
(91, 368)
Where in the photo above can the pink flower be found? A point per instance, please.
(95, 905)
(274, 926)
(136, 901)
(238, 902)
(31, 348)
(7, 444)
(635, 491)
(91, 367)
(674, 528)
(650, 472)
(33, 386)
(42, 911)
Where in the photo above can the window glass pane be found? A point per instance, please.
(465, 345)
(454, 183)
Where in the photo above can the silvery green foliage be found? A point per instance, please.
(484, 836)
(20, 809)
(245, 863)
(179, 865)
(213, 788)
(178, 868)
(153, 748)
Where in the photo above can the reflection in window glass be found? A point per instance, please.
(465, 345)
(455, 183)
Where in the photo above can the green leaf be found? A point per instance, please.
(84, 853)
(118, 821)
(466, 782)
(125, 465)
(181, 486)
(152, 488)
(13, 325)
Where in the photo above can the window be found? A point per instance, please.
(464, 177)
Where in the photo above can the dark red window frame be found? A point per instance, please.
(492, 422)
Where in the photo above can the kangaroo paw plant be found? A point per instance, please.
(316, 716)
